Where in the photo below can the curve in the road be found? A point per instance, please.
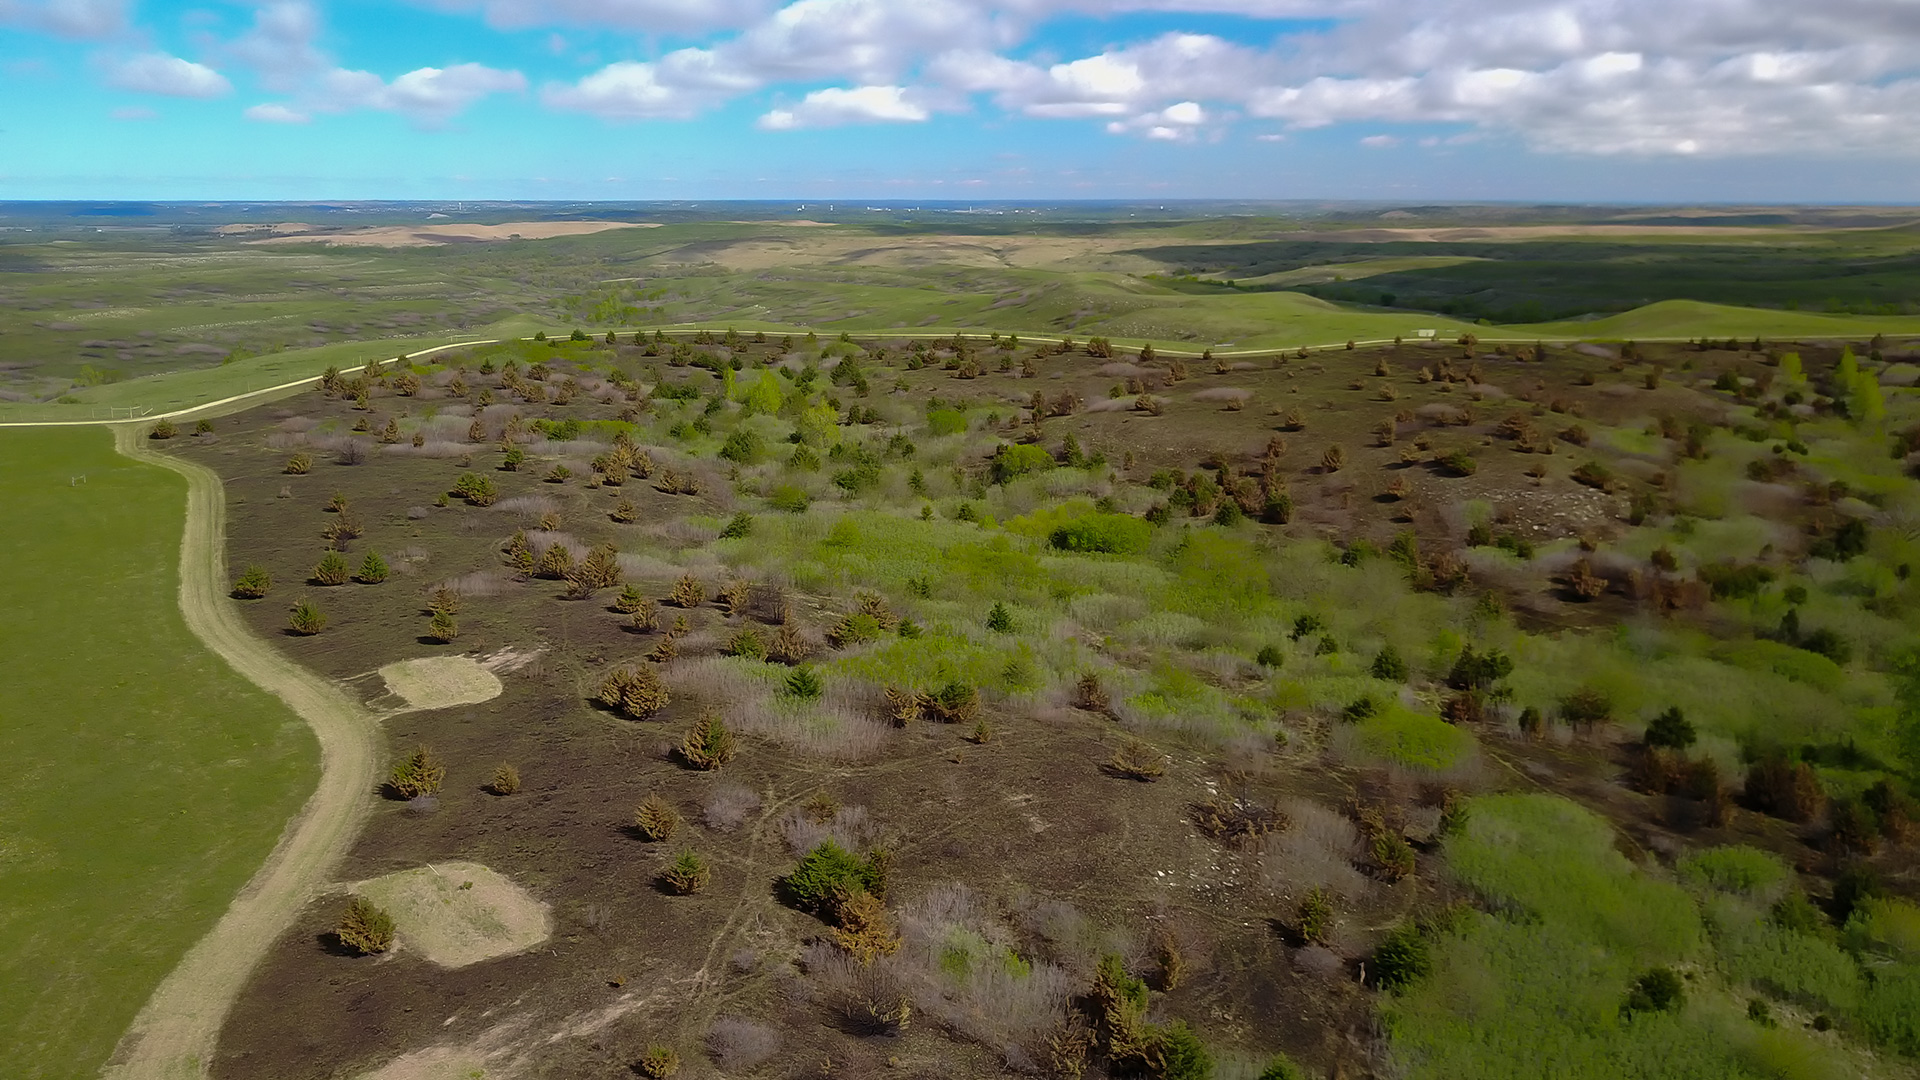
(173, 1037)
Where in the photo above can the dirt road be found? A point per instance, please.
(173, 1036)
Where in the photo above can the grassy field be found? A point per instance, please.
(150, 779)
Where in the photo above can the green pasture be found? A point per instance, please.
(1688, 319)
(150, 780)
(1355, 270)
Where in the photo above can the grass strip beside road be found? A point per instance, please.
(150, 779)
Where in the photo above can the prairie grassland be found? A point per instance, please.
(88, 312)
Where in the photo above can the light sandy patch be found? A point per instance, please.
(440, 682)
(434, 1063)
(284, 228)
(509, 659)
(436, 235)
(459, 913)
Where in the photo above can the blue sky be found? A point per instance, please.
(1416, 100)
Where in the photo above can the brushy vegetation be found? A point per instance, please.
(844, 572)
(365, 928)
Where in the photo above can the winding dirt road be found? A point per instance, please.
(173, 1037)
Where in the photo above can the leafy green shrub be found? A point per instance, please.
(1778, 785)
(830, 870)
(1137, 759)
(655, 818)
(743, 447)
(1885, 925)
(1659, 990)
(1109, 534)
(1393, 855)
(1849, 541)
(1404, 958)
(804, 683)
(1000, 618)
(506, 780)
(1671, 730)
(738, 526)
(946, 421)
(1828, 643)
(417, 775)
(953, 703)
(1314, 919)
(790, 498)
(1388, 665)
(1853, 827)
(331, 570)
(688, 592)
(658, 1063)
(307, 619)
(373, 569)
(1736, 868)
(1270, 656)
(1283, 1068)
(1414, 740)
(476, 489)
(253, 584)
(748, 645)
(1278, 509)
(1011, 461)
(1735, 581)
(687, 874)
(854, 629)
(1586, 706)
(635, 691)
(1178, 1054)
(1119, 1002)
(365, 928)
(1459, 463)
(709, 745)
(1479, 671)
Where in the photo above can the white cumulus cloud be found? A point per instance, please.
(273, 112)
(66, 18)
(280, 46)
(836, 105)
(160, 73)
(428, 96)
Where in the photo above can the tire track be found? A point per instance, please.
(174, 1035)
